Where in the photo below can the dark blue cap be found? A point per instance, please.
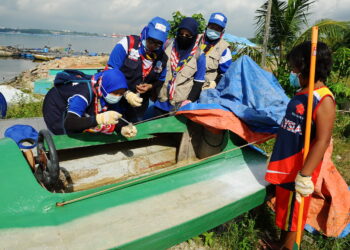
(189, 24)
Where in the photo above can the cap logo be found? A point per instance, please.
(219, 17)
(160, 27)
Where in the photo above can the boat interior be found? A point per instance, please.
(84, 168)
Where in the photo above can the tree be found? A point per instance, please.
(335, 34)
(287, 19)
(177, 18)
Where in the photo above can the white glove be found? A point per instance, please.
(211, 85)
(129, 131)
(303, 186)
(108, 117)
(133, 99)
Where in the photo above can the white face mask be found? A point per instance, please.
(112, 99)
(213, 34)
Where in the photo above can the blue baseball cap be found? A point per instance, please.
(158, 28)
(219, 19)
(112, 80)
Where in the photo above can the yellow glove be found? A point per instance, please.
(133, 99)
(108, 117)
(303, 186)
(129, 131)
(210, 85)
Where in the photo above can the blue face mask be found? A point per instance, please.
(294, 79)
(144, 44)
(212, 34)
(112, 99)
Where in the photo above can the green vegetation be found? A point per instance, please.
(287, 19)
(177, 18)
(23, 109)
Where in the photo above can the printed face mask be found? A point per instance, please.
(294, 79)
(212, 34)
(112, 99)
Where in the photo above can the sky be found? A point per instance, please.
(130, 16)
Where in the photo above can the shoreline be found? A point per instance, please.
(25, 80)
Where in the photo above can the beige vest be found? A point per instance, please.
(212, 60)
(183, 82)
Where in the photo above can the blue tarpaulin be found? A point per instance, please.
(241, 40)
(251, 93)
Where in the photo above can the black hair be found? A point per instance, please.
(299, 58)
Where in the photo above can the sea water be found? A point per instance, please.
(10, 67)
(93, 44)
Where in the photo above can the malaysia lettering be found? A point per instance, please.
(291, 126)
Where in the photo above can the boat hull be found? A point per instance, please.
(155, 210)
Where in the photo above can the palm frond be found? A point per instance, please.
(330, 31)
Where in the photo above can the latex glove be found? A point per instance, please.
(129, 131)
(303, 186)
(212, 85)
(108, 117)
(185, 102)
(133, 99)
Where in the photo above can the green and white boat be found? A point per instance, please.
(171, 182)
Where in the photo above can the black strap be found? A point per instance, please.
(195, 91)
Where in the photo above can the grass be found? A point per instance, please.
(23, 109)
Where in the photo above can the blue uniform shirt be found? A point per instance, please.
(120, 52)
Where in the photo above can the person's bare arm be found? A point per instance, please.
(324, 123)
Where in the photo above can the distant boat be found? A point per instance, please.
(44, 57)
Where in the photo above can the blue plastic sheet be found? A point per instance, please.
(241, 40)
(3, 106)
(251, 93)
(312, 230)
